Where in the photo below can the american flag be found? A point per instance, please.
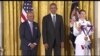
(27, 6)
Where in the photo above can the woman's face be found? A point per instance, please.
(73, 19)
(82, 14)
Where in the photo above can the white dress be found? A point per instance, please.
(80, 42)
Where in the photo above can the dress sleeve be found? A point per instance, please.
(75, 30)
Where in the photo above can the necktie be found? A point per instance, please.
(31, 27)
(54, 20)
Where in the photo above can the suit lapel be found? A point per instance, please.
(56, 21)
(50, 19)
(33, 28)
(28, 28)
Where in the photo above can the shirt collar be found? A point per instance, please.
(82, 20)
(53, 15)
(29, 22)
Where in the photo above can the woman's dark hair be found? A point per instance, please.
(82, 10)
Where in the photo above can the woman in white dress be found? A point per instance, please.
(81, 35)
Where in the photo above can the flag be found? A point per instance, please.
(27, 7)
(75, 5)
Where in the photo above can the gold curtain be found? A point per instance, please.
(88, 6)
(68, 46)
(11, 20)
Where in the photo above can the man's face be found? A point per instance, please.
(82, 14)
(30, 16)
(53, 9)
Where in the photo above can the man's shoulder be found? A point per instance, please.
(59, 15)
(23, 23)
(47, 15)
(35, 23)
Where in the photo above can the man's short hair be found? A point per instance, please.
(30, 12)
(53, 4)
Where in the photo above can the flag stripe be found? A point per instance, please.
(24, 18)
(27, 6)
(24, 13)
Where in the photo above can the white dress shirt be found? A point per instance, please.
(30, 43)
(52, 16)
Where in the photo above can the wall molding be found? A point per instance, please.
(97, 27)
(0, 24)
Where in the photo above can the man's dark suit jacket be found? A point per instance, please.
(51, 33)
(26, 35)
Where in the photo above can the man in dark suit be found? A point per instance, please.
(29, 35)
(53, 32)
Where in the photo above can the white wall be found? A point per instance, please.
(98, 19)
(0, 26)
(97, 27)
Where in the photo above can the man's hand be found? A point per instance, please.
(62, 44)
(46, 46)
(32, 46)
